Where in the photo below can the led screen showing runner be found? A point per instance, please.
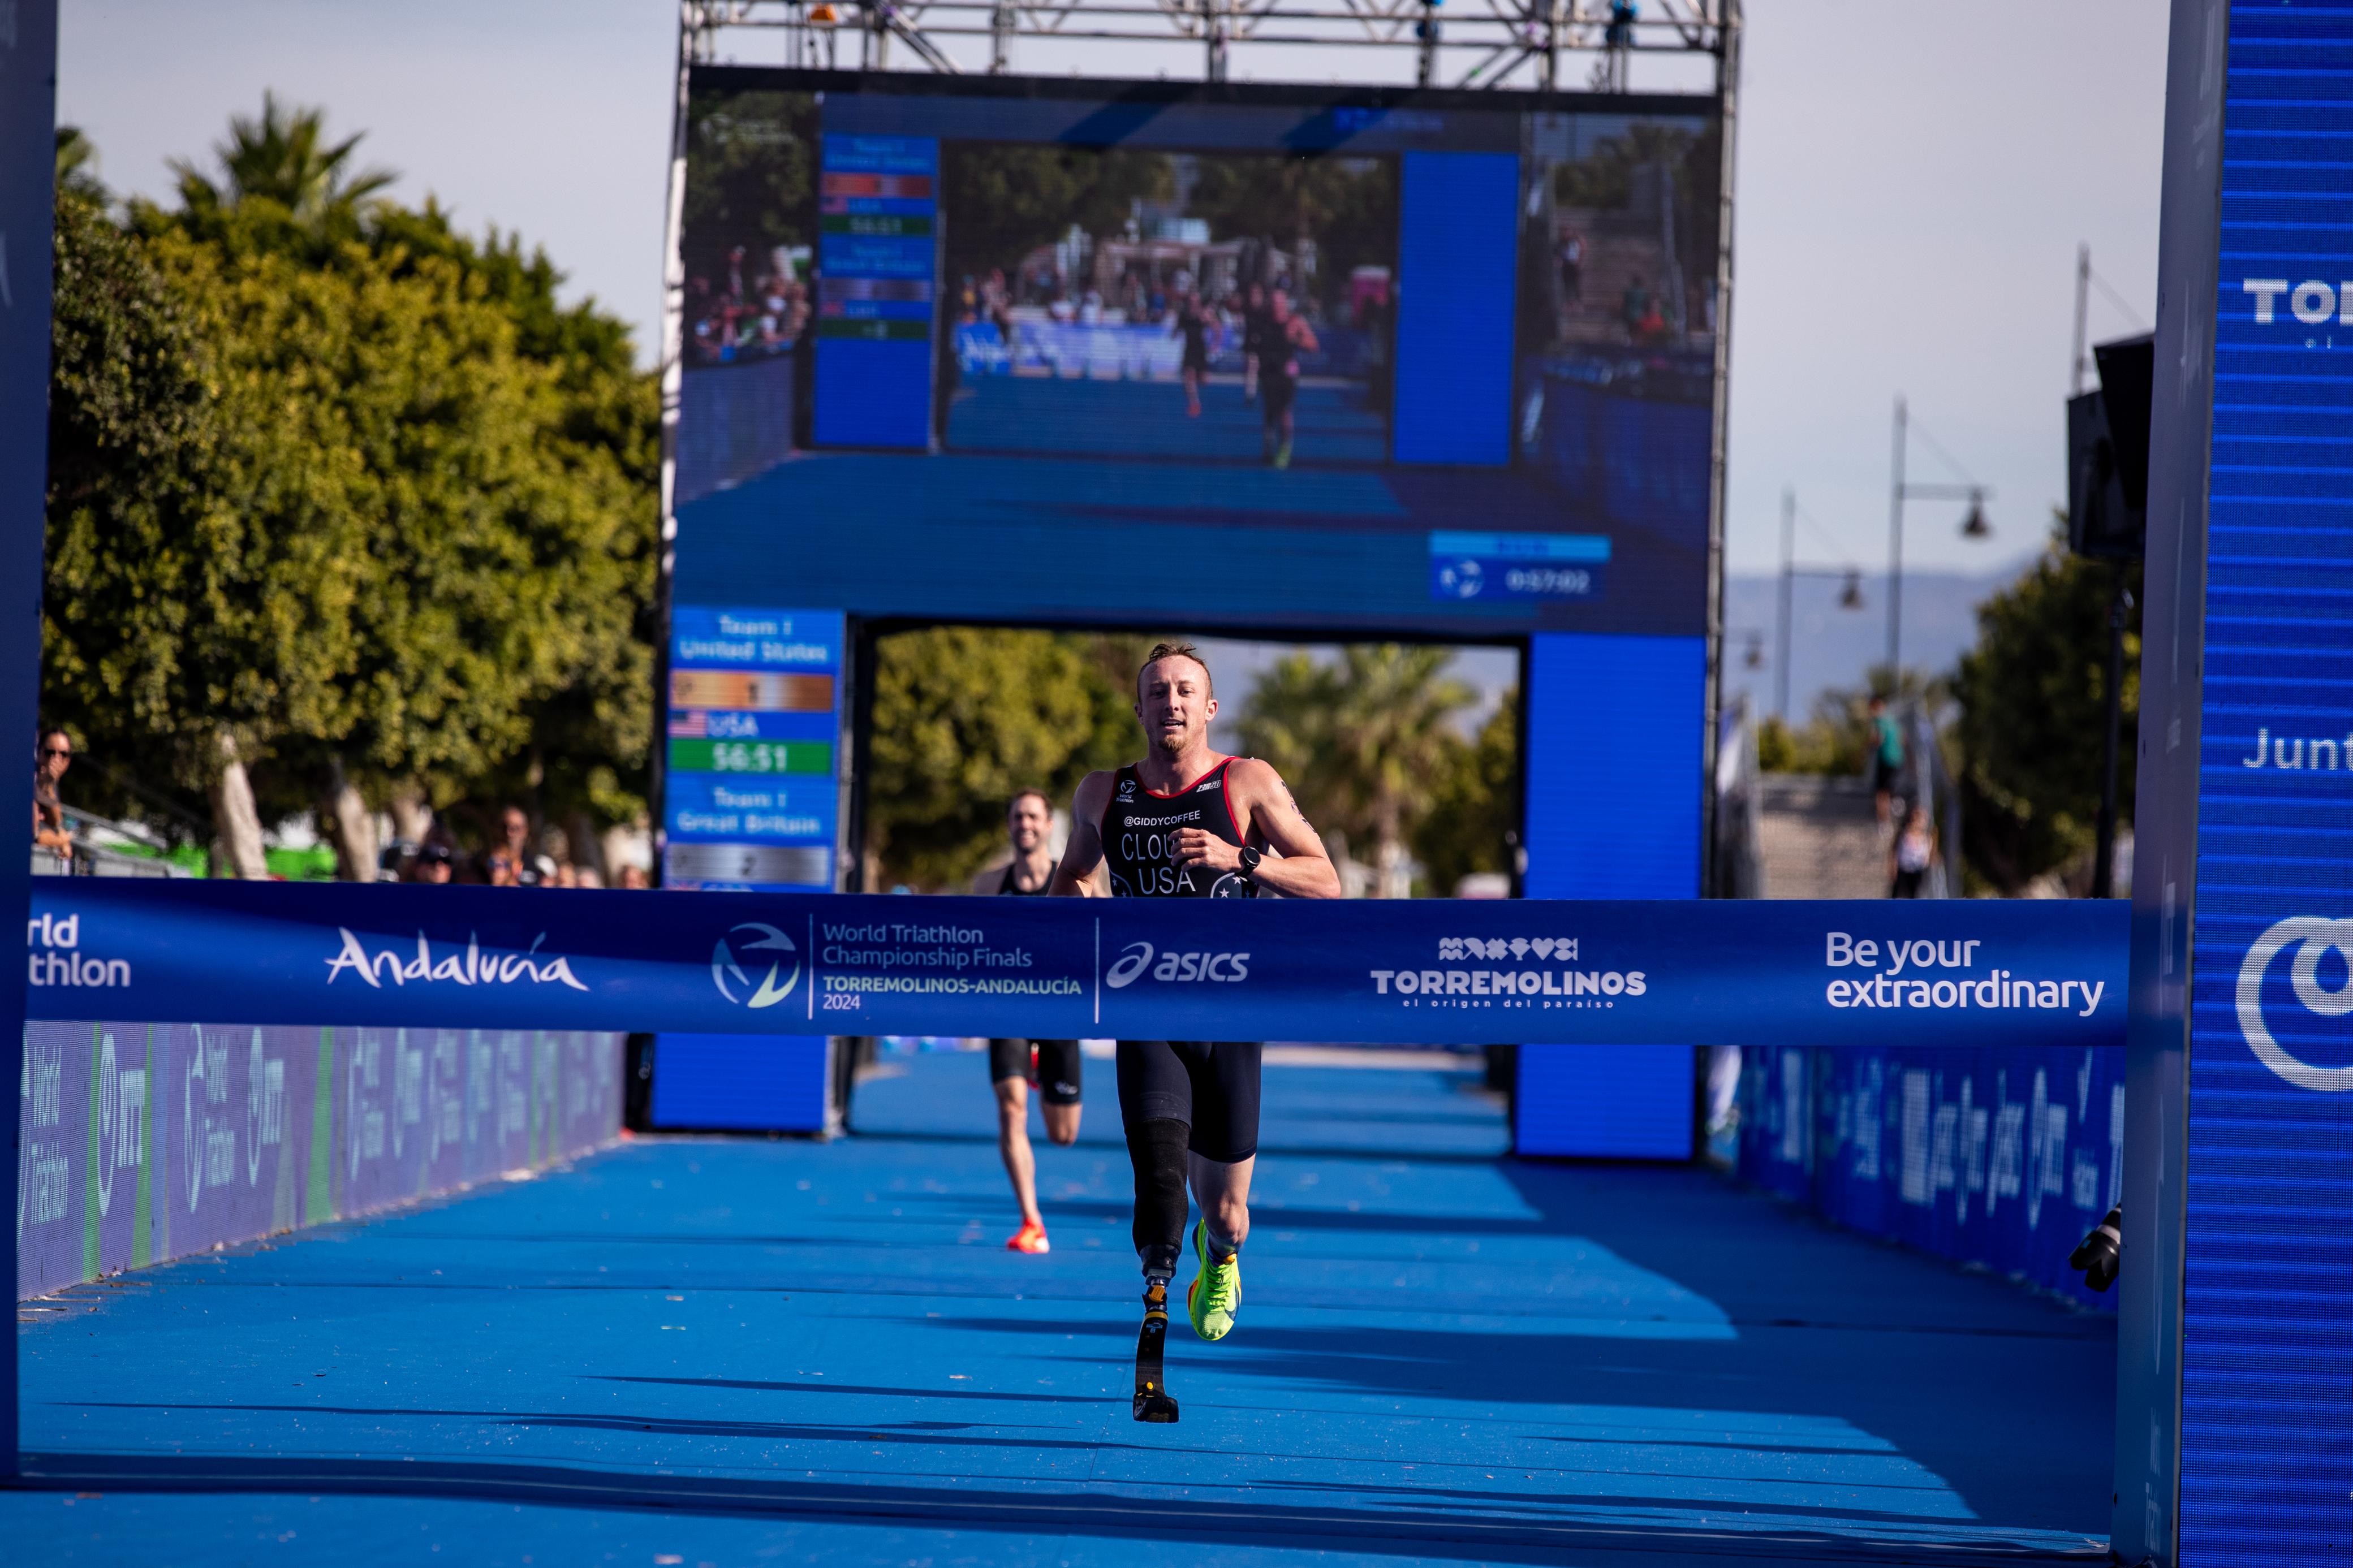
(1211, 356)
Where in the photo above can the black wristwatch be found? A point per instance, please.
(1250, 858)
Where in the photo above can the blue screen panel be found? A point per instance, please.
(873, 394)
(1604, 1102)
(1458, 255)
(1614, 727)
(876, 254)
(1613, 765)
(2266, 1389)
(1488, 417)
(754, 1083)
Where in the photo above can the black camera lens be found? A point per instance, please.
(2097, 1255)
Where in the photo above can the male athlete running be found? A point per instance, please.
(1028, 821)
(1286, 335)
(1188, 822)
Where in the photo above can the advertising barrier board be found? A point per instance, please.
(1994, 1155)
(1437, 972)
(138, 1142)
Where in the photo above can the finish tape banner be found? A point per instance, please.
(1437, 972)
(1410, 972)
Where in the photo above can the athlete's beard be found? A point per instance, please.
(1175, 742)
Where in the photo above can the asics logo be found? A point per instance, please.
(1130, 964)
(2313, 938)
(1137, 956)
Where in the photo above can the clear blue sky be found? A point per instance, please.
(1912, 183)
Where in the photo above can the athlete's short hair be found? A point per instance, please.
(1040, 795)
(1161, 650)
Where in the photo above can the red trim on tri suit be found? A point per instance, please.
(1225, 793)
(1226, 799)
(1180, 789)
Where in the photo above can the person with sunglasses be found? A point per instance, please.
(50, 829)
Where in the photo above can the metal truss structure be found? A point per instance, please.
(1525, 44)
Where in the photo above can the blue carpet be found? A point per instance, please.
(1147, 418)
(713, 1351)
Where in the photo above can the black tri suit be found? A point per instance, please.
(1057, 1061)
(1210, 1086)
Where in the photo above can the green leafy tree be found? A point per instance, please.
(751, 168)
(402, 549)
(1361, 740)
(965, 716)
(181, 637)
(1839, 737)
(1003, 202)
(1345, 207)
(2032, 695)
(1473, 820)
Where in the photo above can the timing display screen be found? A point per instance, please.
(1271, 359)
(751, 784)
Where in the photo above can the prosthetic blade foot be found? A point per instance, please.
(1151, 1400)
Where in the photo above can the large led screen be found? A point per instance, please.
(1204, 357)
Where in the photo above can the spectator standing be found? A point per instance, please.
(1887, 759)
(511, 862)
(1635, 308)
(1572, 270)
(1915, 851)
(50, 829)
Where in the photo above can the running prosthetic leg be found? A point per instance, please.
(1152, 1401)
(1157, 1151)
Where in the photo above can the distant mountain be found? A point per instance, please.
(1830, 646)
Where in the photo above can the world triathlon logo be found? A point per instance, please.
(776, 985)
(2313, 939)
(1462, 579)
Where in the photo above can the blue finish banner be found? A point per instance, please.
(1430, 972)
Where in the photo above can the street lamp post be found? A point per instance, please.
(1973, 526)
(1789, 578)
(1849, 595)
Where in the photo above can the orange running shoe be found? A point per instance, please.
(1030, 1237)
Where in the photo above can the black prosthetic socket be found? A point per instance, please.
(1158, 1151)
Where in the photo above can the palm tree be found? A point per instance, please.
(1365, 743)
(284, 157)
(77, 165)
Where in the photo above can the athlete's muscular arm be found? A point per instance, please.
(1074, 878)
(1263, 807)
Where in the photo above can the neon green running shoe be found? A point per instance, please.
(1216, 1292)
